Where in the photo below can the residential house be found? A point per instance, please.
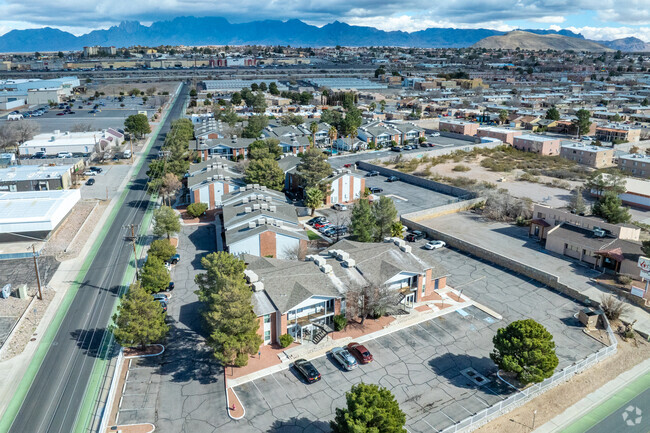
(209, 180)
(344, 187)
(379, 134)
(409, 132)
(233, 148)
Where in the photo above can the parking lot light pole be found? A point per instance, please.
(38, 278)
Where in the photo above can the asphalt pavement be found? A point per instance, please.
(55, 396)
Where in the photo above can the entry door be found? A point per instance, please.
(409, 300)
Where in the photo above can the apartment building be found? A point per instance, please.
(611, 133)
(587, 154)
(635, 164)
(459, 127)
(539, 144)
(208, 181)
(344, 187)
(503, 134)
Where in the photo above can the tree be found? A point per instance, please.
(269, 148)
(503, 116)
(137, 124)
(553, 114)
(332, 133)
(193, 93)
(170, 184)
(313, 128)
(370, 409)
(259, 103)
(577, 204)
(397, 230)
(255, 126)
(382, 104)
(314, 197)
(527, 349)
(227, 115)
(645, 248)
(362, 222)
(265, 172)
(227, 309)
(197, 209)
(8, 135)
(601, 182)
(582, 122)
(154, 277)
(313, 167)
(291, 119)
(162, 248)
(25, 130)
(236, 98)
(384, 213)
(273, 89)
(139, 319)
(165, 222)
(609, 206)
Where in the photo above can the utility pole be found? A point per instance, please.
(38, 278)
(135, 256)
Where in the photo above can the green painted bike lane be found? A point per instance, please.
(613, 403)
(39, 355)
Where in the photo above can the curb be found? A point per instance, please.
(148, 355)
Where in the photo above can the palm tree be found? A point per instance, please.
(382, 103)
(372, 107)
(313, 128)
(324, 96)
(332, 134)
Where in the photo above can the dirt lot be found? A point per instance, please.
(114, 89)
(556, 400)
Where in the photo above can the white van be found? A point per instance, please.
(126, 154)
(64, 155)
(14, 117)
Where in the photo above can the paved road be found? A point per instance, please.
(633, 417)
(55, 396)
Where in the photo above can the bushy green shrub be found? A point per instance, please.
(461, 167)
(286, 340)
(340, 322)
(197, 209)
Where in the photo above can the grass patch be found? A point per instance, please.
(312, 236)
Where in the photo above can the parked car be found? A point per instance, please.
(372, 173)
(175, 259)
(434, 245)
(348, 165)
(163, 304)
(415, 235)
(435, 134)
(171, 286)
(62, 113)
(89, 173)
(396, 149)
(318, 219)
(392, 179)
(343, 357)
(307, 370)
(340, 207)
(39, 155)
(160, 297)
(320, 224)
(360, 352)
(90, 181)
(96, 169)
(375, 189)
(64, 155)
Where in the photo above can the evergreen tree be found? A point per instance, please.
(553, 114)
(526, 348)
(269, 148)
(370, 409)
(609, 206)
(265, 172)
(577, 204)
(236, 98)
(166, 222)
(384, 213)
(313, 167)
(362, 222)
(582, 122)
(137, 124)
(162, 249)
(154, 277)
(139, 319)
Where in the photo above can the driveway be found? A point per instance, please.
(424, 365)
(181, 391)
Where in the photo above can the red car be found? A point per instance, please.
(320, 224)
(360, 352)
(348, 165)
(62, 113)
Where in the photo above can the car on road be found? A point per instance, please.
(343, 357)
(175, 259)
(396, 149)
(71, 112)
(434, 245)
(375, 189)
(392, 179)
(307, 370)
(62, 113)
(340, 207)
(90, 181)
(415, 235)
(372, 173)
(160, 297)
(435, 134)
(359, 351)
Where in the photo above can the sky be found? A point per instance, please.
(595, 19)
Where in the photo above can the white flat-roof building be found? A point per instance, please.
(73, 142)
(34, 212)
(227, 86)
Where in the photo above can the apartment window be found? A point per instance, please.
(267, 318)
(267, 335)
(424, 284)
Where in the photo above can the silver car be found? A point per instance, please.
(344, 358)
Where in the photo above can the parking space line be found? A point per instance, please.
(427, 423)
(280, 385)
(466, 410)
(452, 420)
(263, 398)
(424, 329)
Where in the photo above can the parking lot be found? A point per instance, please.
(107, 182)
(424, 365)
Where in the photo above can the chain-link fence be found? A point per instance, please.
(523, 396)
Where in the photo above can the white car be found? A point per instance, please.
(435, 134)
(168, 266)
(89, 173)
(344, 358)
(339, 206)
(434, 245)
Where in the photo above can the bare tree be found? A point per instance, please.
(170, 185)
(8, 136)
(369, 300)
(25, 130)
(613, 308)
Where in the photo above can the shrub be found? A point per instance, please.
(624, 279)
(197, 209)
(612, 307)
(340, 322)
(286, 340)
(162, 249)
(461, 167)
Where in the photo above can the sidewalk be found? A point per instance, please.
(592, 401)
(15, 368)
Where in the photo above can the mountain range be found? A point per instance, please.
(218, 31)
(531, 41)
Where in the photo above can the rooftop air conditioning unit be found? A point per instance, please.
(349, 263)
(405, 248)
(599, 233)
(343, 255)
(261, 221)
(244, 200)
(310, 258)
(263, 188)
(258, 286)
(326, 268)
(251, 276)
(272, 208)
(265, 206)
(252, 225)
(247, 209)
(256, 206)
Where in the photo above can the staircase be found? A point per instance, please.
(320, 334)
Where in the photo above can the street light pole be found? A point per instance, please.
(135, 256)
(38, 278)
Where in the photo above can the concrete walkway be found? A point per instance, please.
(593, 401)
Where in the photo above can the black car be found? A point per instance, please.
(95, 169)
(396, 149)
(171, 286)
(392, 179)
(375, 189)
(315, 220)
(372, 173)
(90, 181)
(416, 235)
(307, 370)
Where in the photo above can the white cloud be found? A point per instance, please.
(410, 24)
(610, 33)
(549, 19)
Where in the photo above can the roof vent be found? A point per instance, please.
(599, 233)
